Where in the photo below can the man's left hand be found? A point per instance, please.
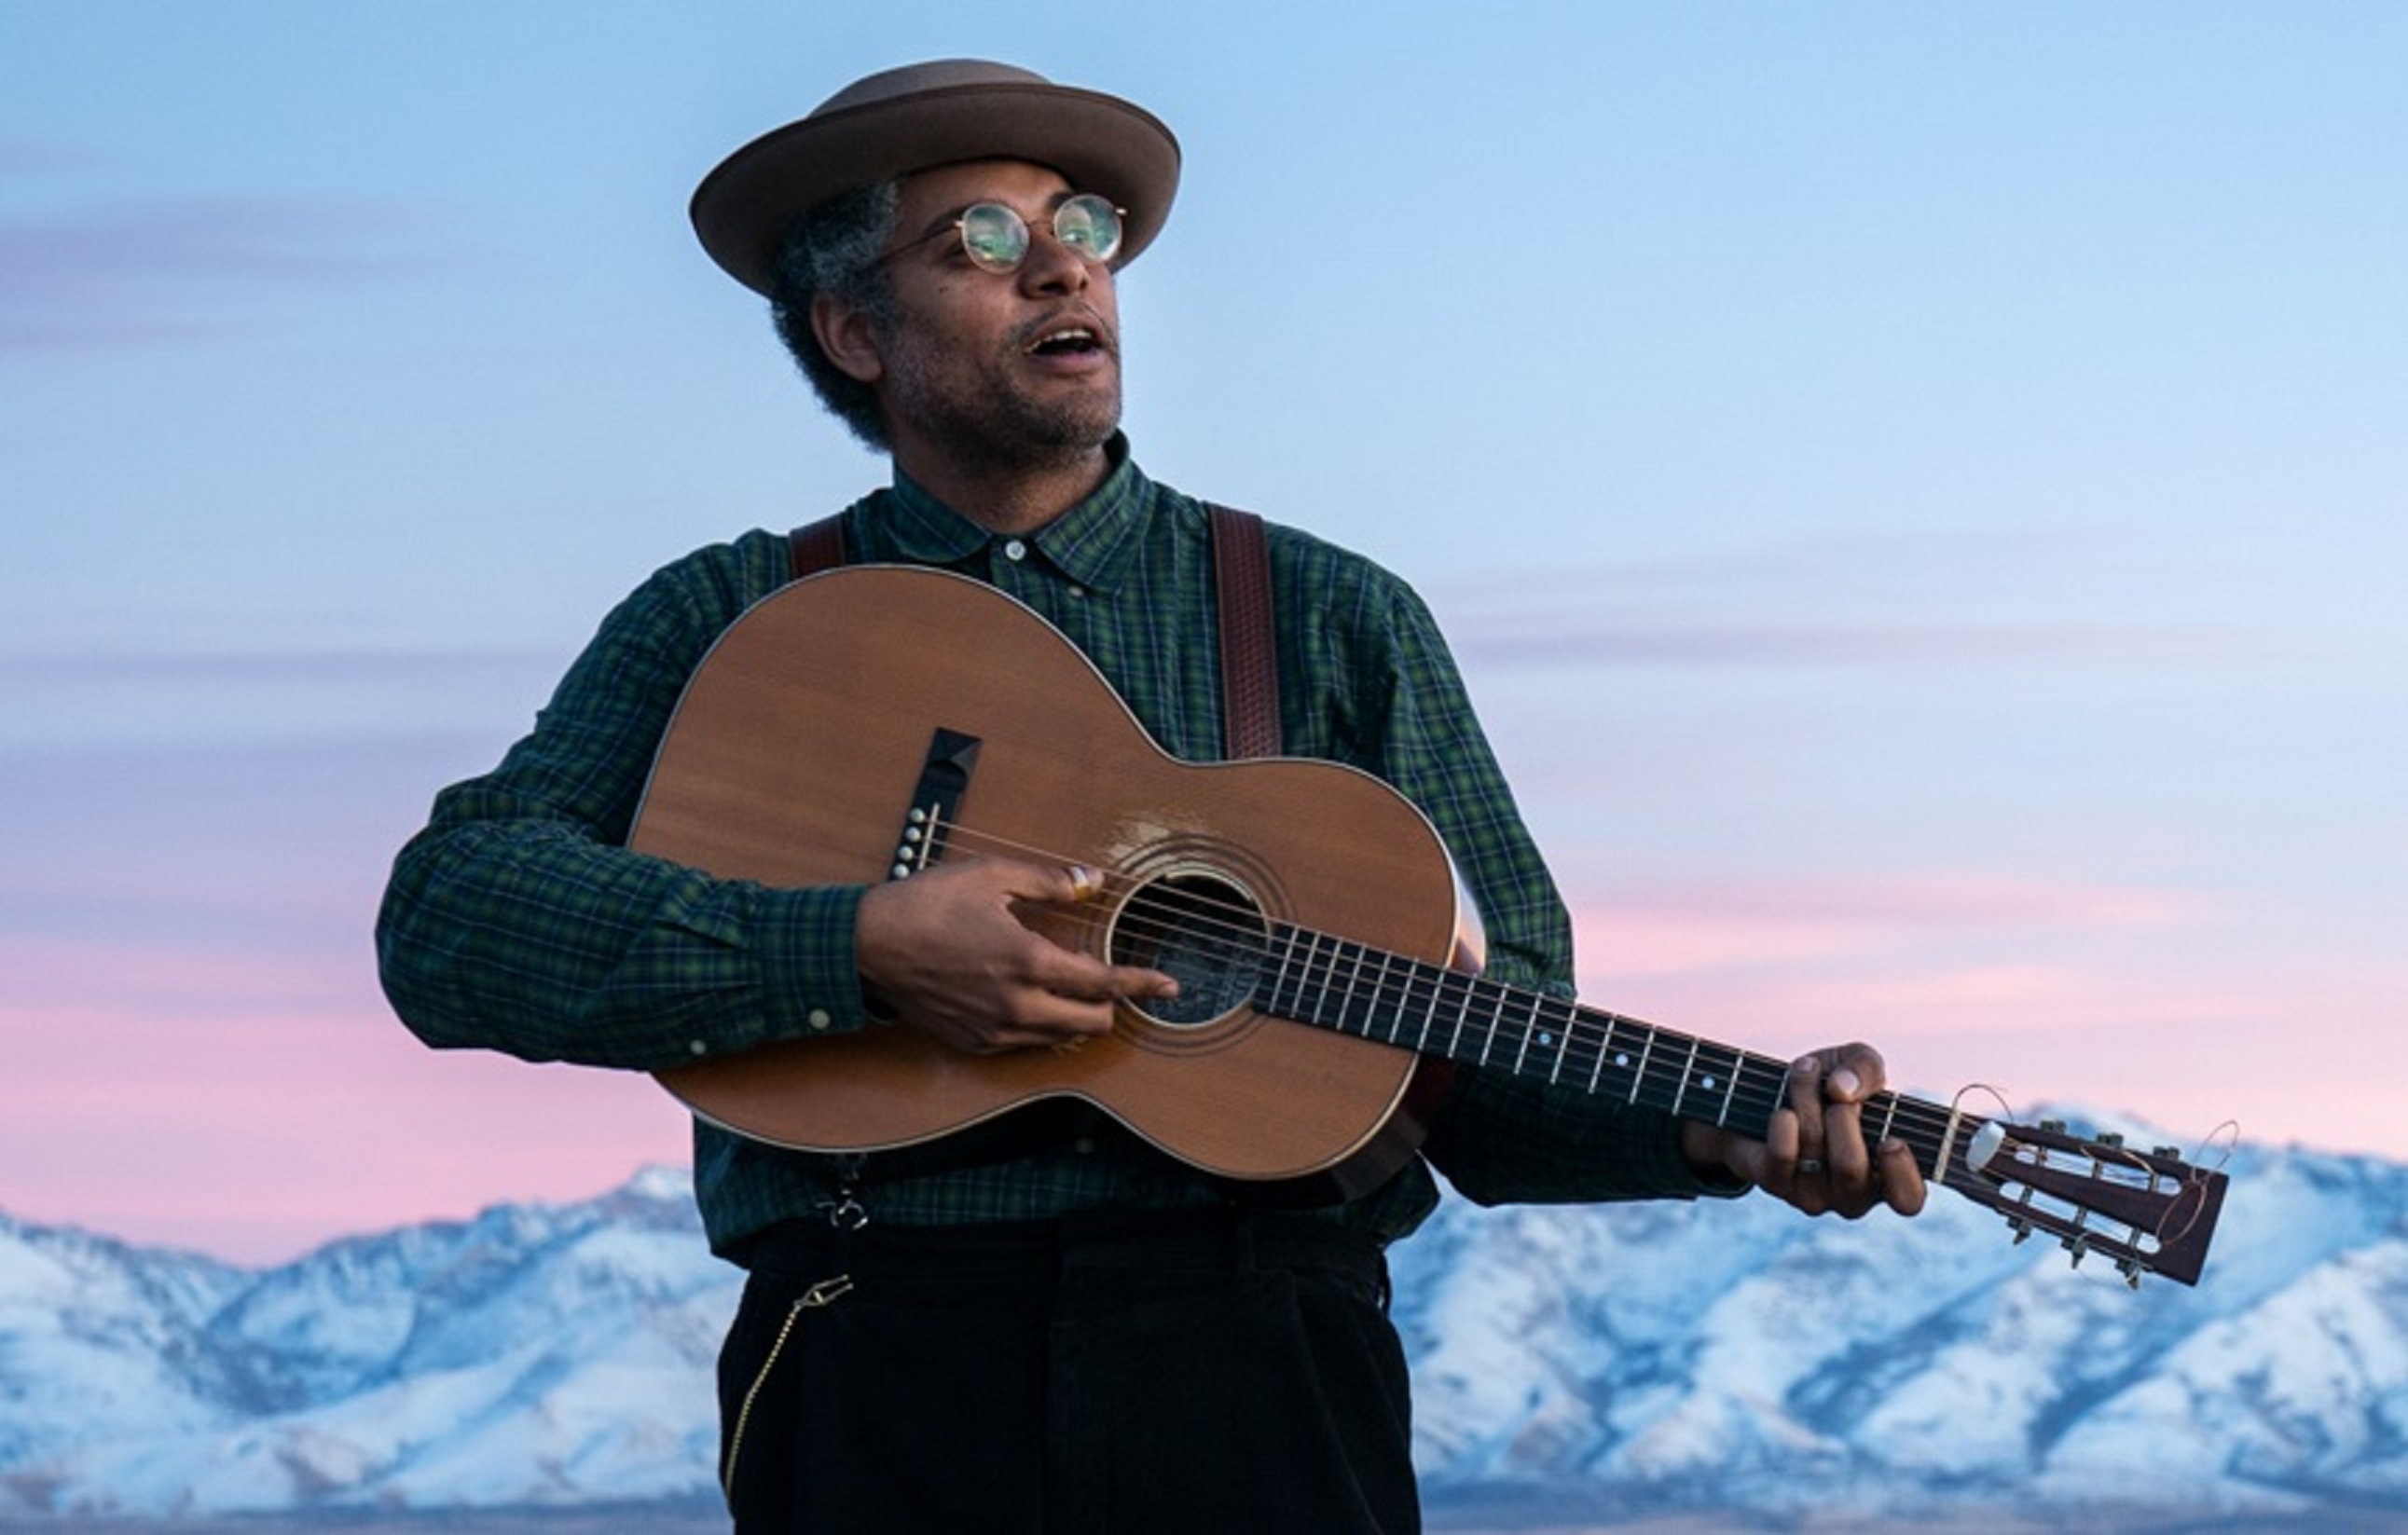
(1813, 1154)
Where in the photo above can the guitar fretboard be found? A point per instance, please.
(1353, 989)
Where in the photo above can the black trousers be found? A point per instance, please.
(1232, 1372)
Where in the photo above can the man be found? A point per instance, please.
(1059, 1328)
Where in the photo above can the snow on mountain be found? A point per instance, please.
(1712, 1354)
(534, 1355)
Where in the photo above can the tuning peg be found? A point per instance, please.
(2113, 1138)
(2131, 1269)
(2079, 1245)
(2021, 1227)
(2171, 1153)
(2054, 1126)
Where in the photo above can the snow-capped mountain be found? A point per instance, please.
(1715, 1355)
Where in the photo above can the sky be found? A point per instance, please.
(1916, 491)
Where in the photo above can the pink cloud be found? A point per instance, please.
(249, 1107)
(2130, 999)
(255, 1104)
(164, 980)
(1686, 929)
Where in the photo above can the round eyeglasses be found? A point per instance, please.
(996, 237)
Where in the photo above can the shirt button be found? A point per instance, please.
(1014, 550)
(695, 1047)
(818, 1018)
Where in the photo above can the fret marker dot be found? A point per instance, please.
(1621, 1058)
(1707, 1083)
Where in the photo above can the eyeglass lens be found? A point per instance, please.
(996, 237)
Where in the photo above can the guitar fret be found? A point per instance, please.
(1948, 1141)
(1722, 1116)
(1379, 996)
(1373, 969)
(1612, 1051)
(1429, 1013)
(1683, 1090)
(1420, 994)
(1327, 1008)
(1273, 1000)
(1325, 971)
(1303, 989)
(1446, 991)
(1351, 969)
(1379, 1014)
(1621, 1057)
(1638, 1077)
(1528, 1028)
(1297, 975)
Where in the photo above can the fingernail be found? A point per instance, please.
(1807, 1066)
(1084, 882)
(1844, 1083)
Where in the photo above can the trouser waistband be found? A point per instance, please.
(1219, 1240)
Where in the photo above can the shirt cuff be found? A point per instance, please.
(810, 982)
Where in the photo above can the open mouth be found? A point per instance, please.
(1068, 341)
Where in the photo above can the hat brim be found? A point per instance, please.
(1100, 144)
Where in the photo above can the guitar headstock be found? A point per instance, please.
(2148, 1211)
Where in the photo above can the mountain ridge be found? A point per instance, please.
(1663, 1356)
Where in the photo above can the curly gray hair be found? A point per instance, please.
(833, 250)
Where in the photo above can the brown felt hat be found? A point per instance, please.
(924, 115)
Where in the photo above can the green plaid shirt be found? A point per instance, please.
(518, 920)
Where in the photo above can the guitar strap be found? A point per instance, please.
(1241, 585)
(1242, 580)
(816, 546)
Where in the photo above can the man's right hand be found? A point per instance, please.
(946, 951)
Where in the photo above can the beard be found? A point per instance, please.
(985, 412)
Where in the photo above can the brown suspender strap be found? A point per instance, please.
(1242, 578)
(1241, 583)
(816, 546)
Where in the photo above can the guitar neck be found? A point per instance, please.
(2147, 1212)
(1433, 1010)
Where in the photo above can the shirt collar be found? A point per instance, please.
(1091, 543)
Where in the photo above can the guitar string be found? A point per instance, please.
(1760, 1082)
(1759, 1085)
(1588, 1033)
(1583, 1036)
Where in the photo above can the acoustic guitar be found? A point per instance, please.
(865, 723)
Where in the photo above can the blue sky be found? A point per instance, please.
(1915, 489)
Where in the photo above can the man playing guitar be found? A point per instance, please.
(1049, 1320)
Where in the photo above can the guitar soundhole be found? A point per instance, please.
(1205, 933)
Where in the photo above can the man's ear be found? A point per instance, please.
(849, 338)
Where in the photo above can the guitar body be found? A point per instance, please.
(820, 722)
